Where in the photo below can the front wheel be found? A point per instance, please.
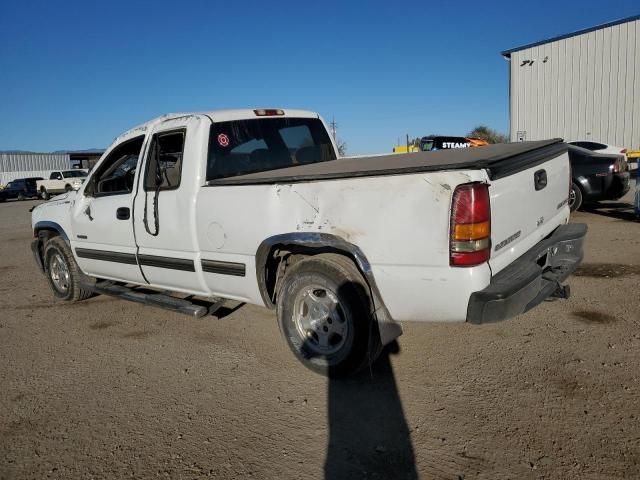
(62, 271)
(575, 197)
(20, 196)
(44, 194)
(326, 315)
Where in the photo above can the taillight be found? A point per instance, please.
(268, 112)
(470, 238)
(618, 166)
(615, 168)
(623, 151)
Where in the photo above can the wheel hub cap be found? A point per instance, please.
(59, 273)
(320, 320)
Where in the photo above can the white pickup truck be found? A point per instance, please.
(256, 206)
(60, 181)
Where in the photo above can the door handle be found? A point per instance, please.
(123, 213)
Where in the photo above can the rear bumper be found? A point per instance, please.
(531, 279)
(620, 185)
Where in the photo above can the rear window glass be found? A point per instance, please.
(589, 145)
(74, 173)
(246, 146)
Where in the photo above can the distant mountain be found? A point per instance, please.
(85, 150)
(15, 151)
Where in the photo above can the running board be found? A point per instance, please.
(161, 300)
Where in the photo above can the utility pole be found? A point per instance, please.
(334, 128)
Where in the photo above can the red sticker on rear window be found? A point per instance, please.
(223, 140)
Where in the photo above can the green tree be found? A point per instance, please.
(488, 134)
(342, 147)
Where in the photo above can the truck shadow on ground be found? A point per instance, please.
(617, 210)
(368, 433)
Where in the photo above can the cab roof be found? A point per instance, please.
(216, 116)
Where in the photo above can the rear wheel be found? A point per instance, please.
(575, 197)
(20, 196)
(67, 188)
(326, 315)
(62, 271)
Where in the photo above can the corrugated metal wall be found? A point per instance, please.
(585, 87)
(19, 165)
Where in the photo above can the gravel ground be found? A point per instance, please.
(110, 389)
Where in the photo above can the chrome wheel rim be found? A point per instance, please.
(572, 197)
(59, 272)
(320, 320)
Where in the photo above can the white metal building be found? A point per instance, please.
(580, 86)
(24, 164)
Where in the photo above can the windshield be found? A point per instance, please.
(256, 145)
(426, 145)
(74, 173)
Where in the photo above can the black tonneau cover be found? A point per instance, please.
(500, 161)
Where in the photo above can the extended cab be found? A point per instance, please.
(61, 181)
(256, 206)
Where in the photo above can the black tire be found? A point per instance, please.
(20, 196)
(62, 271)
(575, 197)
(67, 188)
(342, 302)
(44, 194)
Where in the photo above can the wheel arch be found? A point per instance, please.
(43, 231)
(272, 259)
(47, 226)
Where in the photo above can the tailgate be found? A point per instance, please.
(528, 202)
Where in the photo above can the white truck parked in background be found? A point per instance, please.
(61, 181)
(256, 206)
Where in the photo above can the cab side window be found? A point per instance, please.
(164, 166)
(55, 176)
(116, 173)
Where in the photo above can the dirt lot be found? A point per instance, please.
(110, 389)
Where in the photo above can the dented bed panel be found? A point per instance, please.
(399, 222)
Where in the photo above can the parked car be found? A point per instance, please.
(257, 206)
(61, 181)
(596, 176)
(600, 147)
(20, 188)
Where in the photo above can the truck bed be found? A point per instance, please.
(499, 160)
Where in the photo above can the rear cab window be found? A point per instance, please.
(74, 174)
(240, 147)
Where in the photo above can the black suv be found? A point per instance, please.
(20, 188)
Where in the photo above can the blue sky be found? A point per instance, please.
(74, 75)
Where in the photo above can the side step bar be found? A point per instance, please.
(161, 300)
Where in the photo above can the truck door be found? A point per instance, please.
(101, 219)
(165, 205)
